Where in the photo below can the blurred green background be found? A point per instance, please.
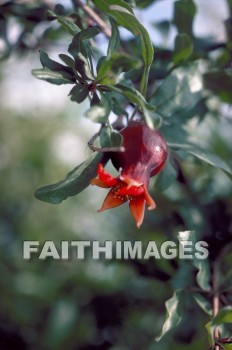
(87, 305)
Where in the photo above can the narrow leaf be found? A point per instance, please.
(134, 96)
(115, 38)
(77, 45)
(226, 346)
(99, 112)
(69, 25)
(204, 304)
(204, 155)
(67, 60)
(203, 274)
(75, 182)
(55, 66)
(112, 66)
(184, 12)
(183, 48)
(50, 15)
(103, 5)
(124, 16)
(223, 316)
(210, 329)
(83, 67)
(129, 21)
(56, 78)
(79, 92)
(174, 312)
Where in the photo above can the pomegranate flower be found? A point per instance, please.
(145, 155)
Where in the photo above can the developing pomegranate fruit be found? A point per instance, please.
(145, 155)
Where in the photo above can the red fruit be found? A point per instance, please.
(145, 155)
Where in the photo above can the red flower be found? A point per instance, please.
(145, 155)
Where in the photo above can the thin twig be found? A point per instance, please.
(94, 16)
(225, 300)
(216, 300)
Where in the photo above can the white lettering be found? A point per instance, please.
(107, 250)
(151, 251)
(49, 250)
(202, 248)
(28, 248)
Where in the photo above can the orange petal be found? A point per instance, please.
(99, 183)
(149, 200)
(111, 201)
(137, 207)
(106, 177)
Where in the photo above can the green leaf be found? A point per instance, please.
(110, 137)
(103, 5)
(203, 274)
(99, 112)
(67, 60)
(220, 83)
(167, 176)
(56, 78)
(134, 96)
(118, 108)
(112, 66)
(115, 38)
(229, 2)
(75, 182)
(50, 15)
(204, 304)
(144, 3)
(100, 62)
(225, 346)
(204, 155)
(124, 16)
(223, 316)
(83, 67)
(69, 25)
(174, 133)
(210, 332)
(78, 44)
(183, 48)
(179, 92)
(129, 21)
(55, 66)
(174, 312)
(184, 12)
(79, 92)
(81, 52)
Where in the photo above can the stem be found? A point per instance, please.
(216, 300)
(134, 112)
(144, 81)
(103, 149)
(94, 16)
